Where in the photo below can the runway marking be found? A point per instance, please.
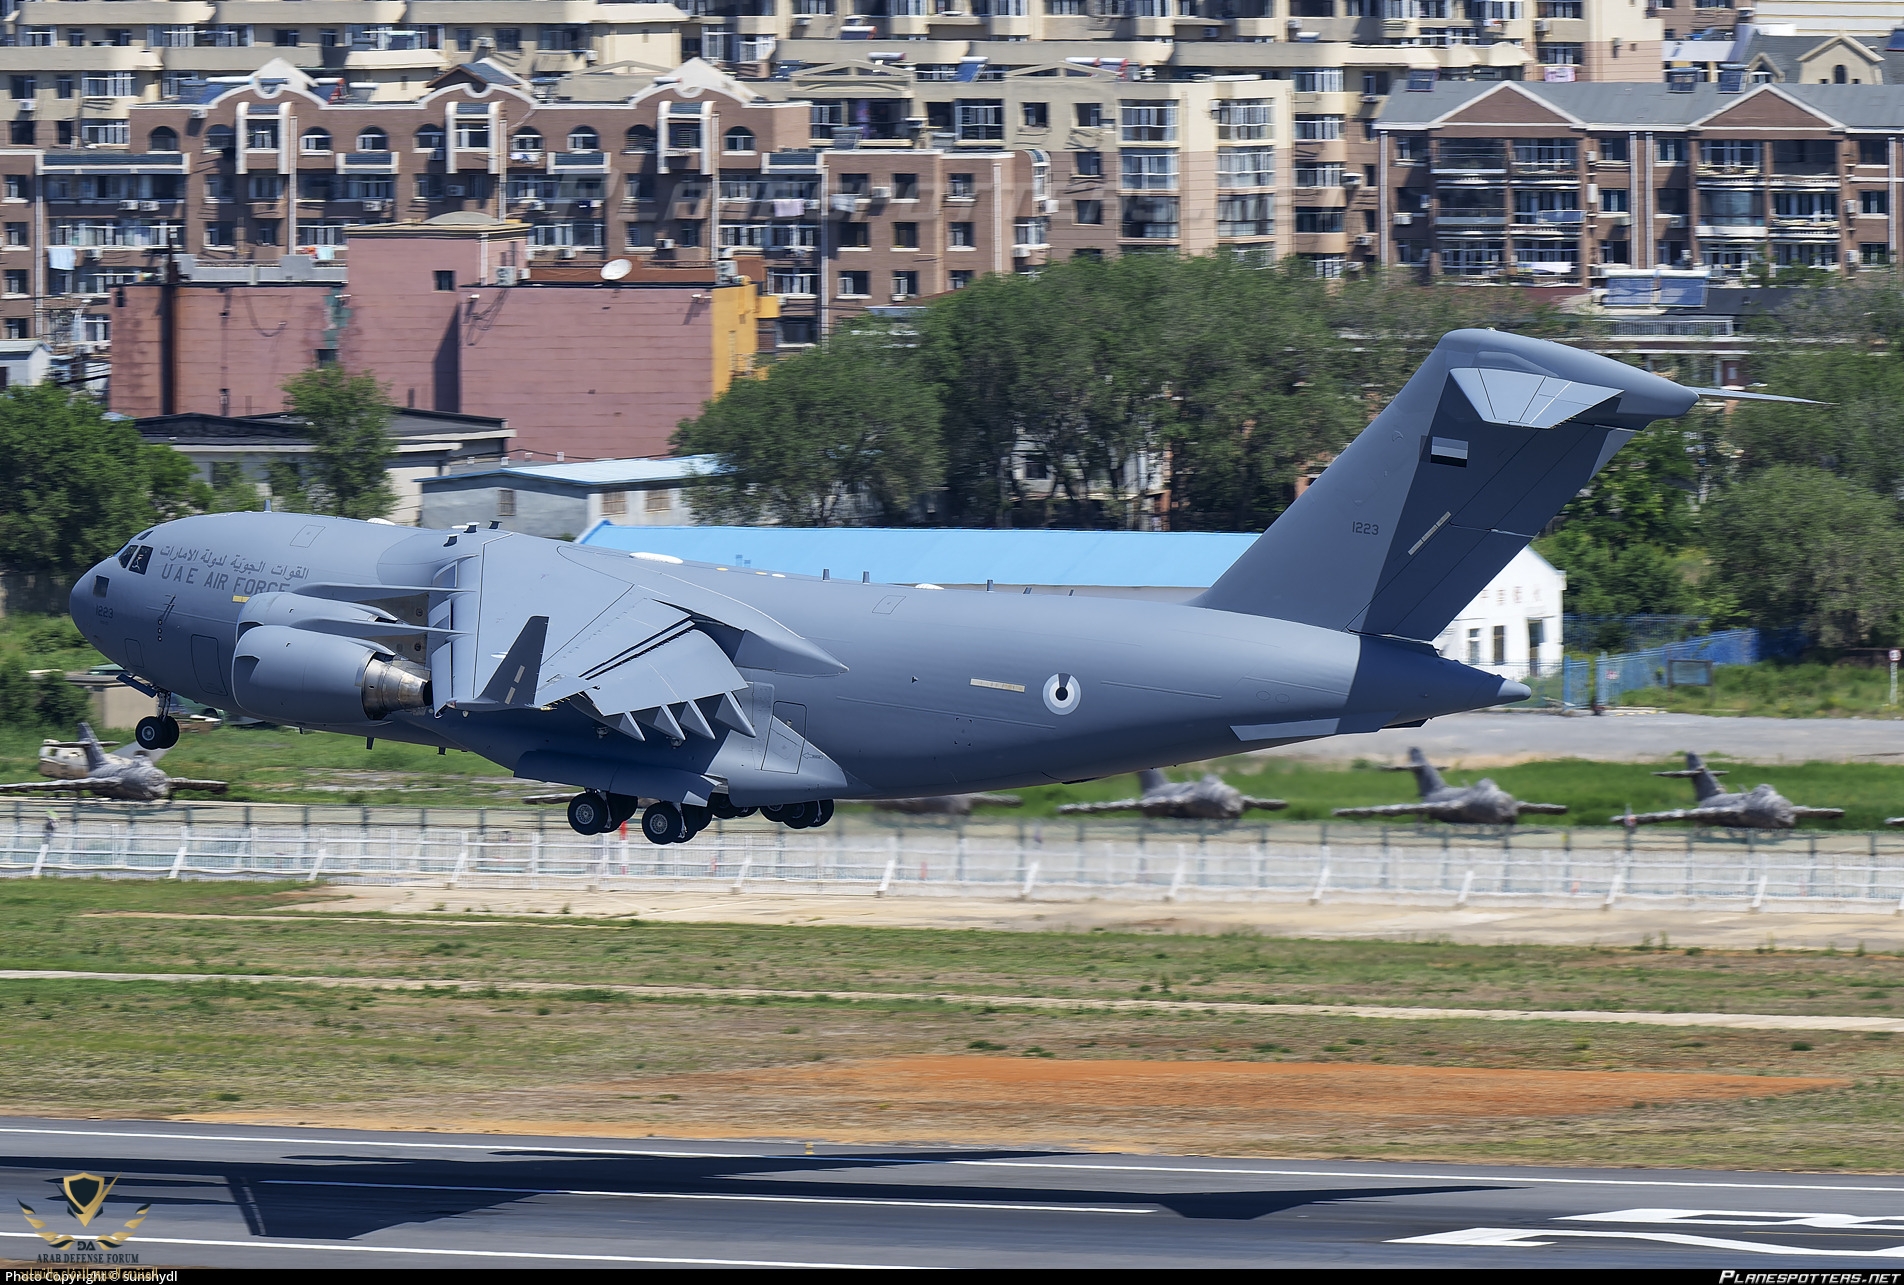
(1743, 1218)
(261, 1243)
(683, 1195)
(1537, 1238)
(1732, 1021)
(1427, 1177)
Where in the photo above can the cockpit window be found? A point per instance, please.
(125, 554)
(140, 557)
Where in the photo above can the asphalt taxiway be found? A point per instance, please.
(265, 1196)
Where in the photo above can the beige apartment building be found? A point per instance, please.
(1578, 183)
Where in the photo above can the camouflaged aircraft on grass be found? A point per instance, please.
(689, 691)
(1760, 808)
(1208, 799)
(130, 774)
(1483, 803)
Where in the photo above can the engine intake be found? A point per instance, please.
(296, 676)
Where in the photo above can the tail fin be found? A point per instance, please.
(1479, 450)
(1705, 781)
(1427, 780)
(95, 754)
(1150, 780)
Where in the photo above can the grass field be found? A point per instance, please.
(588, 1058)
(1774, 690)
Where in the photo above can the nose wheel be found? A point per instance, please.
(157, 732)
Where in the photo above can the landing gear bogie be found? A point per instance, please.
(800, 816)
(589, 813)
(157, 732)
(662, 823)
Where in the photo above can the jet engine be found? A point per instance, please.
(296, 676)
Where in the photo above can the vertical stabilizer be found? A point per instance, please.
(1479, 450)
(1427, 780)
(95, 753)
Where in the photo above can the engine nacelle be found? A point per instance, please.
(288, 675)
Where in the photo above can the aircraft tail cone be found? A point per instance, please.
(1512, 691)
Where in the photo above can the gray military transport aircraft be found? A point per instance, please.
(1760, 808)
(1483, 803)
(700, 690)
(133, 777)
(1210, 799)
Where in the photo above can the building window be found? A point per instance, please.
(905, 285)
(905, 236)
(1874, 253)
(105, 133)
(1613, 200)
(658, 501)
(22, 86)
(1089, 115)
(1873, 201)
(1150, 218)
(615, 503)
(961, 185)
(1148, 122)
(315, 140)
(1670, 151)
(445, 279)
(264, 232)
(1318, 80)
(1245, 216)
(220, 235)
(108, 84)
(1318, 128)
(1089, 164)
(508, 40)
(17, 187)
(979, 119)
(855, 285)
(1037, 115)
(960, 279)
(1613, 149)
(1245, 120)
(1872, 151)
(261, 135)
(1090, 212)
(959, 236)
(17, 328)
(17, 234)
(1474, 646)
(1147, 171)
(264, 187)
(1558, 55)
(738, 140)
(20, 132)
(1317, 219)
(15, 281)
(505, 503)
(1500, 644)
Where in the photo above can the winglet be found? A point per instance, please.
(516, 678)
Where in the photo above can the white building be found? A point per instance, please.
(565, 500)
(1512, 628)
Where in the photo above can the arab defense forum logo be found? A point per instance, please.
(85, 1195)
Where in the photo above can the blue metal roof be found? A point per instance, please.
(908, 555)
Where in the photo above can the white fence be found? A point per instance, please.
(1256, 863)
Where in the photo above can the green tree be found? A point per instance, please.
(77, 485)
(1797, 546)
(836, 435)
(347, 473)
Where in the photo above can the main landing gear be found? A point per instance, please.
(591, 812)
(157, 732)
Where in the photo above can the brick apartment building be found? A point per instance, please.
(1571, 182)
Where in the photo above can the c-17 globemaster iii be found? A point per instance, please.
(1483, 803)
(698, 690)
(130, 775)
(1760, 808)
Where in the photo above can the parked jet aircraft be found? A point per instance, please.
(129, 777)
(1210, 799)
(1483, 803)
(701, 689)
(1760, 808)
(948, 805)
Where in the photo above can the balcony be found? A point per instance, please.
(1805, 225)
(1472, 217)
(1548, 222)
(1490, 160)
(1738, 170)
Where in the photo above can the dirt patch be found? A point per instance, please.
(1208, 1106)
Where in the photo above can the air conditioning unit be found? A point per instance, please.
(1851, 207)
(374, 207)
(538, 205)
(568, 252)
(882, 194)
(507, 276)
(899, 297)
(1542, 26)
(128, 205)
(1404, 219)
(1365, 238)
(151, 206)
(664, 243)
(1048, 206)
(454, 189)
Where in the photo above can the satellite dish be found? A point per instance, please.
(616, 269)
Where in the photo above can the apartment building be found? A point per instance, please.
(1560, 182)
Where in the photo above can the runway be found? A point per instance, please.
(263, 1196)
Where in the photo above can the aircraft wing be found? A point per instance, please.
(1385, 810)
(1115, 805)
(187, 783)
(1543, 809)
(1817, 812)
(46, 787)
(1264, 805)
(1711, 816)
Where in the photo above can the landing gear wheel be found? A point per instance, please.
(723, 807)
(798, 816)
(662, 824)
(158, 732)
(695, 819)
(588, 813)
